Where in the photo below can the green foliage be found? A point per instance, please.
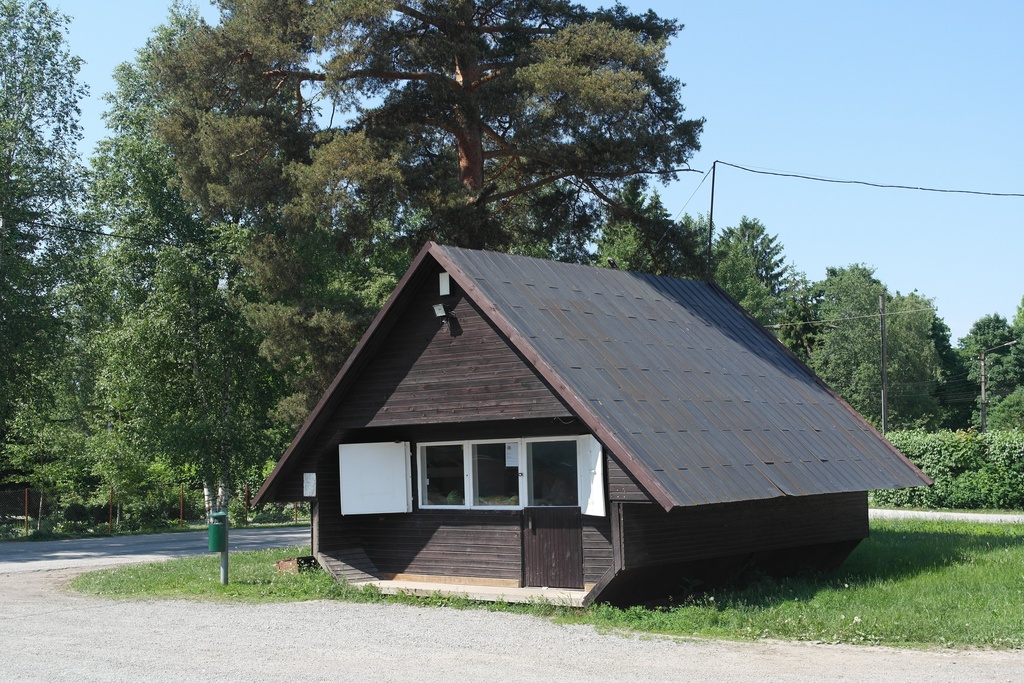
(751, 239)
(956, 392)
(1009, 412)
(638, 235)
(502, 125)
(182, 391)
(1004, 365)
(748, 264)
(799, 326)
(847, 350)
(970, 470)
(40, 183)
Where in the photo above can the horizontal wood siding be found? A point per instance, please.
(652, 536)
(460, 370)
(622, 487)
(440, 543)
(333, 531)
(472, 543)
(597, 548)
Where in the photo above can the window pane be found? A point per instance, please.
(443, 475)
(552, 473)
(494, 482)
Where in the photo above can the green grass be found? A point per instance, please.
(913, 583)
(253, 577)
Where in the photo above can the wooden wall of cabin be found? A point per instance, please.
(470, 543)
(651, 536)
(597, 548)
(456, 369)
(430, 380)
(623, 486)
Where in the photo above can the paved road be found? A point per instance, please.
(85, 553)
(982, 517)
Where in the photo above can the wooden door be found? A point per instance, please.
(553, 547)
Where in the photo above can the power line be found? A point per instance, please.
(854, 317)
(867, 183)
(98, 233)
(675, 220)
(699, 185)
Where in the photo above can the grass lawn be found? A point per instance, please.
(918, 583)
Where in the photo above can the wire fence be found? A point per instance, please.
(28, 512)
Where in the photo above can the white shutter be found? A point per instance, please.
(375, 478)
(590, 476)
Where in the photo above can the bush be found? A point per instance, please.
(11, 531)
(971, 471)
(272, 513)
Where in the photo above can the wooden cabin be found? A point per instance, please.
(520, 422)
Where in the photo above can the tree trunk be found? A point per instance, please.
(470, 135)
(216, 496)
(208, 498)
(471, 156)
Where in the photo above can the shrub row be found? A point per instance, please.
(971, 471)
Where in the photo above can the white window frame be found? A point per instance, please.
(421, 478)
(589, 472)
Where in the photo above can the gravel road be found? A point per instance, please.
(48, 633)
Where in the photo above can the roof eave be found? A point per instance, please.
(313, 423)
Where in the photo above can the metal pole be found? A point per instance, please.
(885, 366)
(984, 398)
(26, 511)
(224, 553)
(984, 401)
(181, 506)
(110, 524)
(711, 221)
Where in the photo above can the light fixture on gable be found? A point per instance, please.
(439, 311)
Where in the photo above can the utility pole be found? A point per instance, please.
(711, 225)
(984, 398)
(885, 366)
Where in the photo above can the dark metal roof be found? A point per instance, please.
(697, 400)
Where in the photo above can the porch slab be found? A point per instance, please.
(554, 596)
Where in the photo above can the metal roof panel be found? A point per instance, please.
(708, 404)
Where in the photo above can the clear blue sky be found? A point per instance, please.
(928, 94)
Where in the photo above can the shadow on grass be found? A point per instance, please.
(900, 550)
(894, 552)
